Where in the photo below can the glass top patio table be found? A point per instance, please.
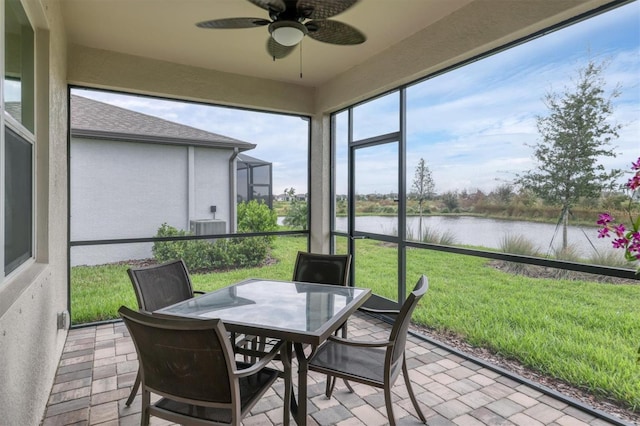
(293, 311)
(296, 312)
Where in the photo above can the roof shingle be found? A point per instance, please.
(98, 120)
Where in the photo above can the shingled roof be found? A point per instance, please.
(98, 120)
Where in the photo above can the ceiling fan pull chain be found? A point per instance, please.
(300, 59)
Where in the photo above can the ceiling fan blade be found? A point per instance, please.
(334, 32)
(233, 23)
(275, 5)
(278, 51)
(323, 9)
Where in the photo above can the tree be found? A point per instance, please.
(575, 135)
(450, 200)
(297, 212)
(503, 193)
(423, 186)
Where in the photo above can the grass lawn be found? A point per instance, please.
(585, 333)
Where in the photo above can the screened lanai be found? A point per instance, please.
(373, 111)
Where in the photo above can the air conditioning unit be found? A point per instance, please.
(208, 227)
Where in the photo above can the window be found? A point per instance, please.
(19, 65)
(18, 136)
(18, 201)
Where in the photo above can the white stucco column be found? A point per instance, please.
(319, 186)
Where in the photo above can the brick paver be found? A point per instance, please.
(98, 367)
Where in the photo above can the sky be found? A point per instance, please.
(474, 126)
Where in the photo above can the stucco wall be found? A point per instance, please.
(135, 74)
(127, 190)
(211, 184)
(30, 299)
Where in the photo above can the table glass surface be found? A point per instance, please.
(291, 306)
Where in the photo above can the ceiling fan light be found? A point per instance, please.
(287, 33)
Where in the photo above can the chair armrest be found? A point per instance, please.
(361, 343)
(267, 358)
(379, 311)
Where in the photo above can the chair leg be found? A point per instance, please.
(146, 401)
(346, 382)
(134, 390)
(389, 404)
(407, 381)
(331, 383)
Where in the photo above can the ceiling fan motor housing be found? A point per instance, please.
(287, 33)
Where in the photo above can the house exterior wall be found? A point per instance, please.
(212, 184)
(31, 299)
(128, 190)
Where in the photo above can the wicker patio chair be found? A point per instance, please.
(190, 363)
(375, 363)
(156, 287)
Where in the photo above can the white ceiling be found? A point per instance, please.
(165, 29)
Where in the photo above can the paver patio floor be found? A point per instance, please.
(99, 365)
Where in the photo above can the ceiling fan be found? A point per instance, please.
(291, 20)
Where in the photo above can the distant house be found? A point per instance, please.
(143, 171)
(287, 197)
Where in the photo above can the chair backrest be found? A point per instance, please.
(159, 286)
(401, 325)
(322, 268)
(184, 358)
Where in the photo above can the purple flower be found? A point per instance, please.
(634, 182)
(620, 243)
(619, 230)
(604, 219)
(629, 241)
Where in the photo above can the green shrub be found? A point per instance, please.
(239, 252)
(169, 250)
(256, 216)
(203, 255)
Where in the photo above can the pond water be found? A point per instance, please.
(483, 232)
